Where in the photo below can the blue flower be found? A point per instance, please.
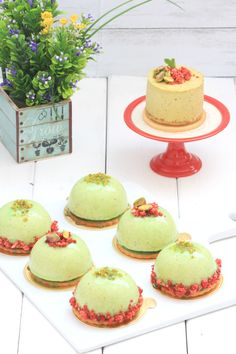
(6, 83)
(33, 46)
(30, 2)
(12, 71)
(13, 32)
(89, 17)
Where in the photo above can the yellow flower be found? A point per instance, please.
(46, 14)
(74, 18)
(45, 31)
(81, 26)
(63, 21)
(47, 22)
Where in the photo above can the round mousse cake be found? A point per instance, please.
(59, 259)
(22, 222)
(174, 97)
(186, 269)
(106, 297)
(97, 200)
(144, 230)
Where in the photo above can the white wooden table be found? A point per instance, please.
(102, 142)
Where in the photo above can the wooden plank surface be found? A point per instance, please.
(134, 52)
(14, 185)
(202, 36)
(127, 158)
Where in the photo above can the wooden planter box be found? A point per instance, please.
(36, 132)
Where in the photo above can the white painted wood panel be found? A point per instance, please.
(134, 52)
(214, 333)
(165, 341)
(16, 182)
(202, 35)
(10, 315)
(162, 14)
(55, 177)
(205, 202)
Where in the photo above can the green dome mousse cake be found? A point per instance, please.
(59, 259)
(144, 230)
(106, 297)
(186, 269)
(22, 222)
(97, 200)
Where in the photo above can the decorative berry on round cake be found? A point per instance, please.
(106, 297)
(174, 98)
(22, 223)
(59, 259)
(185, 270)
(144, 230)
(97, 200)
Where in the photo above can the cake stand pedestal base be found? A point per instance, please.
(175, 161)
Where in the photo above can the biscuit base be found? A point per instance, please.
(14, 251)
(102, 324)
(90, 223)
(148, 303)
(136, 255)
(174, 128)
(198, 294)
(57, 285)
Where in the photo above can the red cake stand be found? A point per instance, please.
(176, 161)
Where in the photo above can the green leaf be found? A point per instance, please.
(170, 62)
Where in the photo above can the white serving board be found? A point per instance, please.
(54, 305)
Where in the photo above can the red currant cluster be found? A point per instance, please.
(146, 210)
(180, 75)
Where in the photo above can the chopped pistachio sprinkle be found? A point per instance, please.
(184, 246)
(108, 273)
(98, 178)
(22, 207)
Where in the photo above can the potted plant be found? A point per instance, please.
(43, 57)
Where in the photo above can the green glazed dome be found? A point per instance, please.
(185, 262)
(23, 220)
(106, 290)
(60, 263)
(97, 197)
(146, 234)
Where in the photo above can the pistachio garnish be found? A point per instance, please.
(98, 178)
(185, 246)
(145, 207)
(52, 237)
(22, 207)
(109, 273)
(160, 76)
(66, 234)
(168, 79)
(139, 202)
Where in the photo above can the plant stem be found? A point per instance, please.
(175, 4)
(4, 75)
(118, 15)
(107, 13)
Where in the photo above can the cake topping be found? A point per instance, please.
(184, 246)
(141, 208)
(108, 273)
(170, 74)
(22, 207)
(98, 178)
(54, 238)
